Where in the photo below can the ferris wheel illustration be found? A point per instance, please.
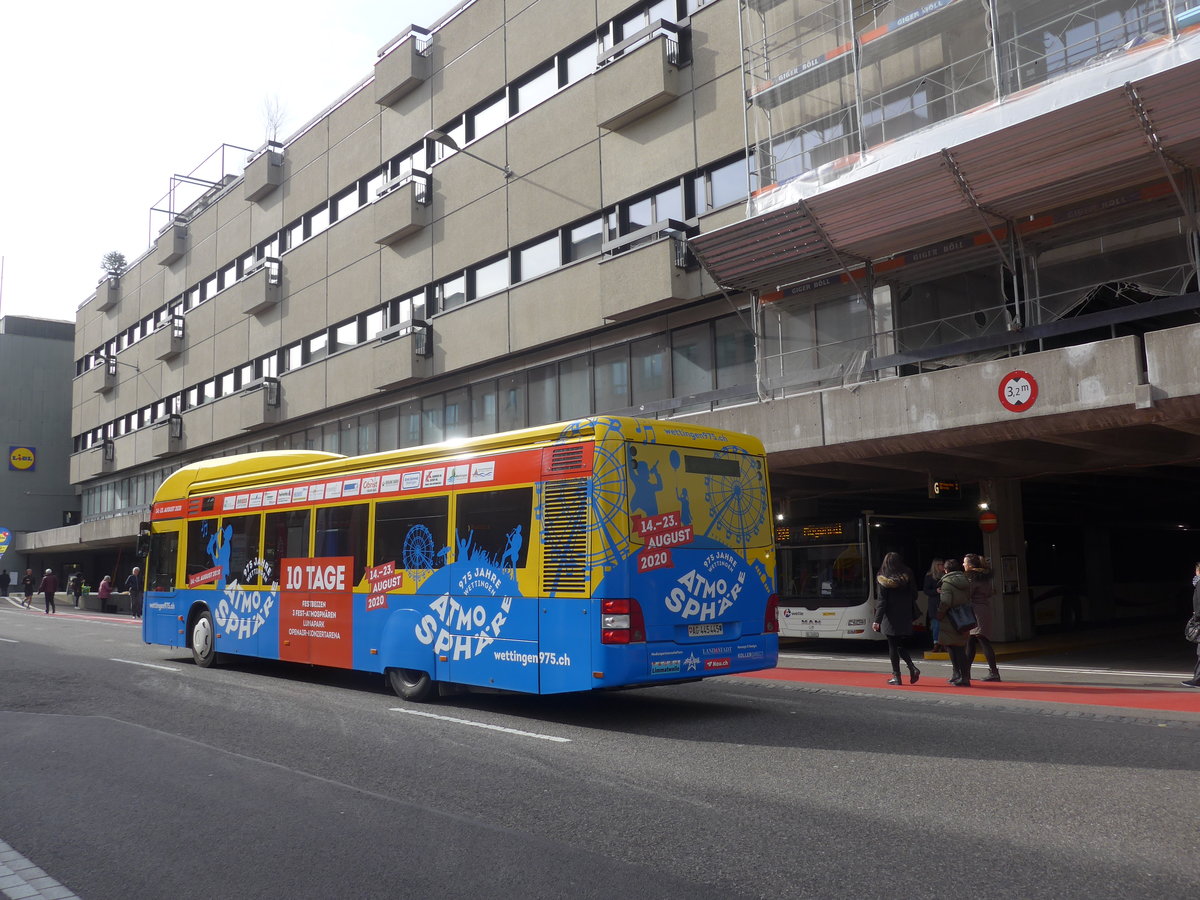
(737, 503)
(607, 498)
(418, 552)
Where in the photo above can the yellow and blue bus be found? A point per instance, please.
(602, 553)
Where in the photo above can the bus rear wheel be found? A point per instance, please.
(412, 684)
(204, 645)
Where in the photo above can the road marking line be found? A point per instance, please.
(532, 734)
(9, 641)
(147, 665)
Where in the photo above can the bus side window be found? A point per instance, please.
(285, 536)
(411, 533)
(243, 534)
(199, 533)
(164, 556)
(495, 524)
(342, 531)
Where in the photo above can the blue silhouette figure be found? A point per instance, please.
(685, 507)
(219, 548)
(512, 549)
(647, 482)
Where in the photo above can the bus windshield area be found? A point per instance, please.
(818, 566)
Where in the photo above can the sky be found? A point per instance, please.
(103, 103)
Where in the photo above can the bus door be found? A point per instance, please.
(160, 622)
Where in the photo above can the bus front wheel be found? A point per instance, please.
(412, 684)
(204, 645)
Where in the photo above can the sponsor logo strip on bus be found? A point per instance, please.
(520, 467)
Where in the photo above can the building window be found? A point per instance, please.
(483, 408)
(452, 293)
(728, 183)
(585, 240)
(490, 277)
(511, 403)
(575, 387)
(538, 259)
(611, 368)
(577, 63)
(456, 414)
(316, 347)
(650, 370)
(536, 88)
(488, 117)
(543, 395)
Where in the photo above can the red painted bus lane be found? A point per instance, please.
(1167, 699)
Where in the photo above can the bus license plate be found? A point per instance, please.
(709, 630)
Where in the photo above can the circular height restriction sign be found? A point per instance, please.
(1018, 391)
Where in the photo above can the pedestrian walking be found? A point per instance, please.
(28, 583)
(48, 587)
(1193, 625)
(5, 581)
(895, 612)
(937, 569)
(954, 589)
(75, 587)
(133, 584)
(979, 573)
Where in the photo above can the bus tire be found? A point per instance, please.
(412, 684)
(202, 640)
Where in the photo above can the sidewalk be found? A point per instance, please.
(1050, 669)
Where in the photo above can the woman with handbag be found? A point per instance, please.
(954, 589)
(979, 573)
(1192, 631)
(895, 612)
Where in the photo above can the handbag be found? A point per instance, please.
(962, 617)
(1191, 631)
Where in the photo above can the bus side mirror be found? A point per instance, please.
(143, 542)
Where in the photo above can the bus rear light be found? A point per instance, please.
(771, 620)
(621, 622)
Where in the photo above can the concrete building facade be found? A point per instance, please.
(898, 241)
(36, 495)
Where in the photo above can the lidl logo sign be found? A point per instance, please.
(22, 458)
(5, 540)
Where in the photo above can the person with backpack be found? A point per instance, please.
(954, 589)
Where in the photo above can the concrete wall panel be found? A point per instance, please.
(353, 289)
(1171, 365)
(630, 166)
(472, 77)
(553, 130)
(352, 239)
(558, 305)
(561, 191)
(542, 28)
(471, 334)
(303, 312)
(471, 234)
(354, 155)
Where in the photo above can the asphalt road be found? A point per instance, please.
(125, 771)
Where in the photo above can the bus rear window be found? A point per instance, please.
(712, 465)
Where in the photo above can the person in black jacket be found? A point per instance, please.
(895, 612)
(1194, 682)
